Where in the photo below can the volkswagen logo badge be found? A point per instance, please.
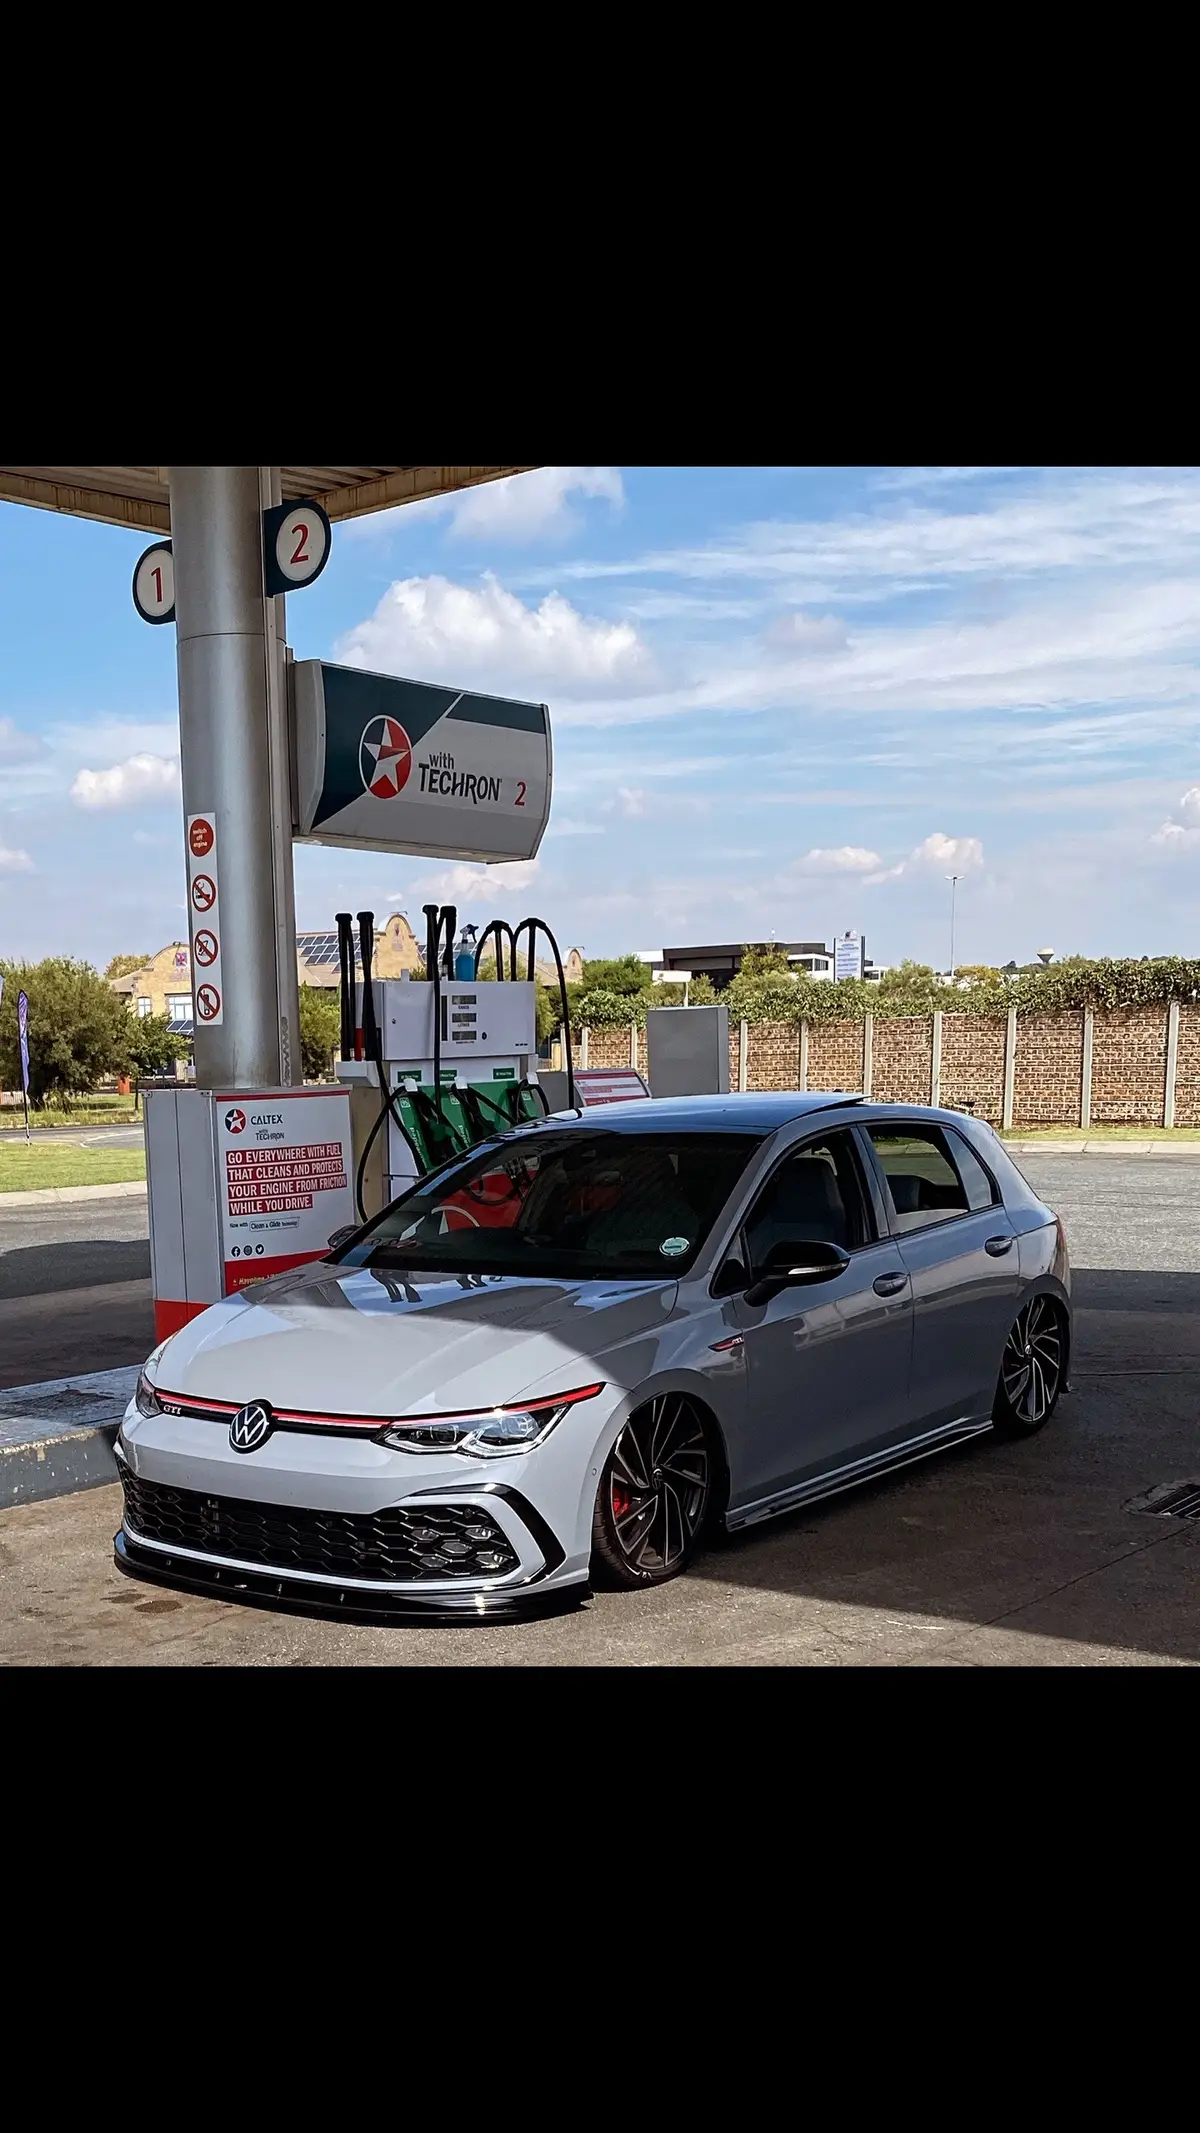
(250, 1427)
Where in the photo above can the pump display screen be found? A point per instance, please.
(573, 1204)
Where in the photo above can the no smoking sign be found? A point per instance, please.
(204, 910)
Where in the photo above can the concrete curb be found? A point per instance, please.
(1189, 1150)
(59, 1195)
(58, 1437)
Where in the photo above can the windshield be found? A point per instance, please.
(578, 1205)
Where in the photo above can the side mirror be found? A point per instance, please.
(342, 1236)
(797, 1265)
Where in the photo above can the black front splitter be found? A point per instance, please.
(266, 1588)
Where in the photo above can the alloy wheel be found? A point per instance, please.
(1032, 1365)
(658, 1483)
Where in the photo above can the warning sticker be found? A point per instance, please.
(208, 1007)
(285, 1178)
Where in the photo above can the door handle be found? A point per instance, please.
(889, 1284)
(997, 1246)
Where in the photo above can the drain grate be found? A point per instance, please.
(1174, 1499)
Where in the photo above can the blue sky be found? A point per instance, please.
(784, 699)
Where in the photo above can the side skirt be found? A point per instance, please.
(835, 1479)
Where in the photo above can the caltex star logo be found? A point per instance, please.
(384, 758)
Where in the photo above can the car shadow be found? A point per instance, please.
(1040, 1534)
(81, 1263)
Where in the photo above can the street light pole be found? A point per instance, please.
(953, 880)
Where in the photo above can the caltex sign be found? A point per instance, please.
(407, 766)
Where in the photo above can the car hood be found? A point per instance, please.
(341, 1340)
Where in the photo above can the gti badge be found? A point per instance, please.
(250, 1427)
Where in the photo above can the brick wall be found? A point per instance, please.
(606, 1048)
(835, 1052)
(1128, 1062)
(902, 1059)
(1048, 1072)
(973, 1064)
(772, 1056)
(1129, 1057)
(1187, 1066)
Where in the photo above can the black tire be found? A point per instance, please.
(656, 1495)
(1033, 1369)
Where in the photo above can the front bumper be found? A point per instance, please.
(338, 1524)
(345, 1602)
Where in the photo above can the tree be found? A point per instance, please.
(78, 1028)
(622, 974)
(702, 992)
(764, 959)
(122, 966)
(150, 1046)
(320, 1030)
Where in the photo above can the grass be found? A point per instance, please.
(93, 1111)
(36, 1167)
(1168, 1134)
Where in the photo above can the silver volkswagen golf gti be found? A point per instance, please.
(573, 1354)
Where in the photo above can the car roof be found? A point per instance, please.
(751, 1113)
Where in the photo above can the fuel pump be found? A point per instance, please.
(441, 1063)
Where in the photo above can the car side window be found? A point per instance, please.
(816, 1195)
(923, 1185)
(980, 1190)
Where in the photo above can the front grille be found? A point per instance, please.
(447, 1541)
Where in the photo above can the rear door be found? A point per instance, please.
(959, 1247)
(826, 1366)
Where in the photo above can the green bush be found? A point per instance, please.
(78, 1028)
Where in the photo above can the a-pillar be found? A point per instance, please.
(234, 753)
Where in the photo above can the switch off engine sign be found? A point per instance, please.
(404, 766)
(283, 1180)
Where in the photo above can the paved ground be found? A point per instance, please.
(1023, 1554)
(74, 1289)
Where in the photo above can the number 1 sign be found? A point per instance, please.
(296, 539)
(154, 584)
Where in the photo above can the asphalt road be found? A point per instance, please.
(998, 1554)
(87, 1136)
(74, 1288)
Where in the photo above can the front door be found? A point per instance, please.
(960, 1250)
(827, 1365)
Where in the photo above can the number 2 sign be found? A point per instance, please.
(296, 540)
(154, 584)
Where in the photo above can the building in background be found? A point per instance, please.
(721, 962)
(163, 986)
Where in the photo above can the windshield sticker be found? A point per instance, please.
(672, 1246)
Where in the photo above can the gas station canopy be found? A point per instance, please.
(138, 496)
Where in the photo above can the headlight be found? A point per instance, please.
(487, 1433)
(145, 1399)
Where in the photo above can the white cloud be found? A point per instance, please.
(18, 747)
(570, 826)
(14, 862)
(1181, 836)
(839, 859)
(1068, 521)
(796, 632)
(938, 854)
(531, 506)
(522, 507)
(487, 637)
(631, 800)
(129, 784)
(468, 884)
